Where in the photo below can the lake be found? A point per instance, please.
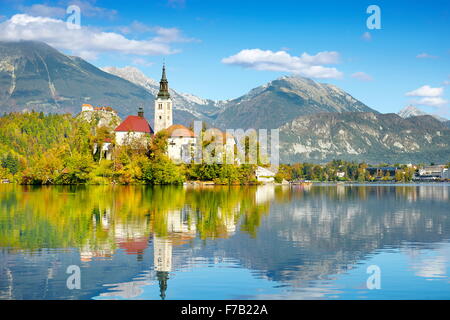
(213, 242)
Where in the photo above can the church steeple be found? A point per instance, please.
(164, 85)
(163, 104)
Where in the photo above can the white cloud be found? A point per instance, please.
(425, 56)
(43, 10)
(366, 36)
(432, 101)
(142, 62)
(429, 97)
(362, 76)
(86, 42)
(135, 27)
(426, 91)
(305, 65)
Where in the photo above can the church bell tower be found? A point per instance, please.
(163, 105)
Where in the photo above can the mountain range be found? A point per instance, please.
(365, 136)
(317, 121)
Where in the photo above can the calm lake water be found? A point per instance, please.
(267, 242)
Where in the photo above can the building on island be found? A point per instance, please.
(89, 108)
(133, 128)
(181, 143)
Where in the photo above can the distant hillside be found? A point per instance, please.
(370, 137)
(35, 76)
(282, 100)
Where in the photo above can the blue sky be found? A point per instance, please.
(407, 61)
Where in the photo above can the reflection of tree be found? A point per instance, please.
(98, 219)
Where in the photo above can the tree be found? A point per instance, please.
(11, 163)
(162, 171)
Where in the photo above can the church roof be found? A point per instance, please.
(164, 85)
(134, 124)
(178, 130)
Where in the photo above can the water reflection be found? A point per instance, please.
(181, 242)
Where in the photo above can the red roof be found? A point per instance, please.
(134, 124)
(134, 246)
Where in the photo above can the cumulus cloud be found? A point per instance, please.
(89, 9)
(305, 64)
(135, 27)
(86, 42)
(142, 62)
(362, 76)
(425, 56)
(432, 101)
(43, 10)
(429, 96)
(426, 91)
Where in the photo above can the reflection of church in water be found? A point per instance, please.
(179, 230)
(179, 227)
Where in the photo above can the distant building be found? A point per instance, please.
(89, 108)
(264, 175)
(436, 172)
(133, 128)
(340, 174)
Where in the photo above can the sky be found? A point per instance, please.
(395, 55)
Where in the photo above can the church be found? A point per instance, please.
(181, 141)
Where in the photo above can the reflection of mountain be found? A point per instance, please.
(131, 238)
(324, 231)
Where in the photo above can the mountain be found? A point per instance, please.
(35, 76)
(365, 136)
(282, 100)
(411, 111)
(200, 108)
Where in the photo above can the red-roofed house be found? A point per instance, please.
(133, 128)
